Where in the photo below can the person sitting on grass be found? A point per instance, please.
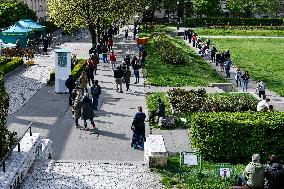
(160, 111)
(254, 174)
(263, 105)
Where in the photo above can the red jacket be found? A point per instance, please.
(112, 57)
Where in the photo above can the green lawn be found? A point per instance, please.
(263, 58)
(236, 32)
(198, 73)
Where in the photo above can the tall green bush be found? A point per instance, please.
(11, 12)
(6, 138)
(79, 68)
(234, 137)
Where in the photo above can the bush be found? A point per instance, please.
(198, 101)
(52, 76)
(169, 51)
(7, 139)
(79, 68)
(234, 137)
(197, 22)
(10, 66)
(4, 60)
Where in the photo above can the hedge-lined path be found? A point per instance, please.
(276, 100)
(153, 89)
(53, 119)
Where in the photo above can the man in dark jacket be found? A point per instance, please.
(275, 173)
(118, 74)
(138, 127)
(70, 83)
(87, 112)
(96, 91)
(160, 111)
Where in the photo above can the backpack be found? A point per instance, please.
(94, 90)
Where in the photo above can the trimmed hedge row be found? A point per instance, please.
(234, 137)
(10, 66)
(198, 101)
(4, 60)
(169, 51)
(247, 27)
(207, 21)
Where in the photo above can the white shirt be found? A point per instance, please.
(261, 105)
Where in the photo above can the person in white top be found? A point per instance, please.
(263, 105)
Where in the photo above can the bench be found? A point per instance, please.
(155, 152)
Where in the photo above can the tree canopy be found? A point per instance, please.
(11, 12)
(74, 14)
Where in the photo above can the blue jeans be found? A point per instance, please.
(245, 85)
(105, 58)
(95, 102)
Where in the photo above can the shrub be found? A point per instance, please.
(209, 21)
(234, 137)
(52, 76)
(10, 66)
(198, 101)
(169, 51)
(7, 138)
(79, 68)
(4, 60)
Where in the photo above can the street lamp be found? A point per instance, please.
(146, 10)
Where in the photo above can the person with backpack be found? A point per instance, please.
(77, 107)
(118, 75)
(96, 60)
(95, 91)
(254, 174)
(70, 83)
(275, 173)
(138, 128)
(126, 77)
(87, 111)
(136, 68)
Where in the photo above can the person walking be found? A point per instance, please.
(90, 71)
(126, 77)
(228, 67)
(189, 35)
(118, 74)
(213, 54)
(138, 128)
(70, 83)
(95, 91)
(261, 89)
(245, 78)
(96, 60)
(77, 107)
(112, 59)
(136, 68)
(238, 77)
(134, 33)
(222, 62)
(110, 44)
(144, 54)
(104, 53)
(126, 33)
(83, 82)
(87, 111)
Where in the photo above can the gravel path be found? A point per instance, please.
(87, 175)
(23, 85)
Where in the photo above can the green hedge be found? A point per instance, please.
(199, 101)
(234, 137)
(197, 22)
(79, 68)
(10, 66)
(171, 53)
(4, 60)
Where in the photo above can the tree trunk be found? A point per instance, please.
(99, 29)
(93, 33)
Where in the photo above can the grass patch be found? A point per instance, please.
(192, 73)
(263, 58)
(237, 32)
(154, 29)
(189, 177)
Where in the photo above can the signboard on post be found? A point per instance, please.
(191, 159)
(62, 69)
(224, 170)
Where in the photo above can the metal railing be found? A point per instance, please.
(17, 143)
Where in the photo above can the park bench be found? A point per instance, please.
(155, 152)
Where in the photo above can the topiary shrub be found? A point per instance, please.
(79, 68)
(234, 137)
(10, 66)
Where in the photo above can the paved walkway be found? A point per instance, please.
(111, 141)
(276, 100)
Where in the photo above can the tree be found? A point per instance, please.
(271, 7)
(11, 12)
(210, 8)
(6, 138)
(96, 15)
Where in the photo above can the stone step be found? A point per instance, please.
(91, 174)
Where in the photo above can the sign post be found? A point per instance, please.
(191, 159)
(62, 69)
(224, 170)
